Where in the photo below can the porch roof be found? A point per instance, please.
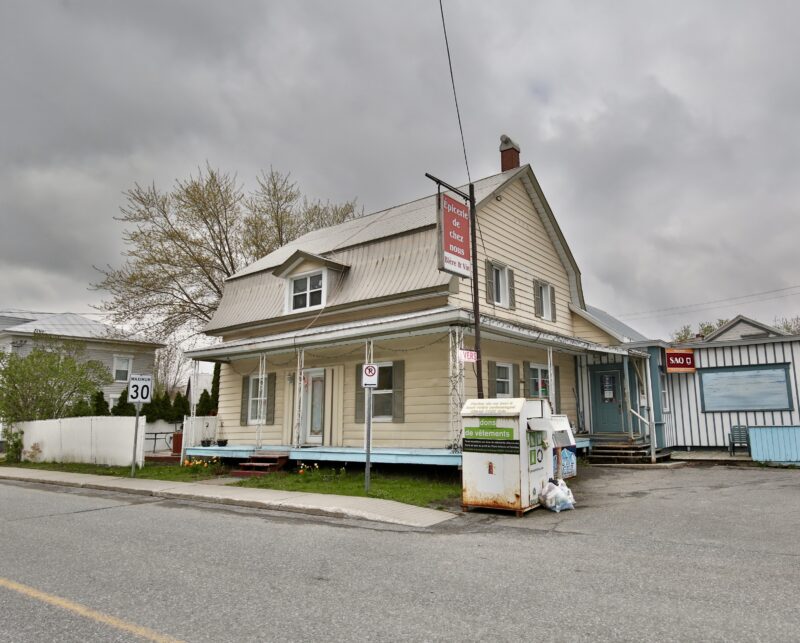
(406, 324)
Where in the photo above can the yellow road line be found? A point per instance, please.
(87, 612)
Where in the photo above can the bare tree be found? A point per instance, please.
(790, 325)
(171, 368)
(183, 244)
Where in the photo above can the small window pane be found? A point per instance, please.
(502, 387)
(316, 281)
(385, 378)
(502, 372)
(535, 383)
(381, 404)
(315, 298)
(253, 409)
(299, 301)
(300, 285)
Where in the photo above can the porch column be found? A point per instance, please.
(626, 395)
(456, 388)
(298, 397)
(551, 393)
(650, 414)
(261, 406)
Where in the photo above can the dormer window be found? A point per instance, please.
(307, 291)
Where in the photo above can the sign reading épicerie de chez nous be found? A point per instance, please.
(455, 244)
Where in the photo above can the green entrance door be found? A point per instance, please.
(607, 401)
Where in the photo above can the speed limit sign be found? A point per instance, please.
(369, 376)
(140, 389)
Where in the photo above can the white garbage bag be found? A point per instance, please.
(557, 496)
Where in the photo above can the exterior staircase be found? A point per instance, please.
(621, 449)
(261, 463)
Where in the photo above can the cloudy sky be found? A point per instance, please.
(666, 136)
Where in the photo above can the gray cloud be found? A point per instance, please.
(665, 136)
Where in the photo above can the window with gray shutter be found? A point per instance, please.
(245, 400)
(489, 282)
(359, 412)
(538, 309)
(492, 375)
(552, 303)
(271, 378)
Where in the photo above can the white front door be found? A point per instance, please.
(313, 417)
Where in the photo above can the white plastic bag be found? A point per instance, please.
(557, 497)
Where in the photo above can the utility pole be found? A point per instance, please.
(476, 312)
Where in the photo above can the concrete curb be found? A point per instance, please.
(333, 506)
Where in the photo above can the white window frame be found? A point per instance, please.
(538, 368)
(129, 359)
(500, 294)
(378, 391)
(252, 396)
(664, 392)
(510, 379)
(545, 290)
(323, 272)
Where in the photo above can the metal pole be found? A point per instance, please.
(135, 439)
(476, 310)
(367, 464)
(650, 414)
(626, 395)
(368, 418)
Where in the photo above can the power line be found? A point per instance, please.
(455, 96)
(715, 301)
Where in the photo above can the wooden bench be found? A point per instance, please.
(738, 438)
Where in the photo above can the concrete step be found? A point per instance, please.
(162, 459)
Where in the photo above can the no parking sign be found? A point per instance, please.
(369, 376)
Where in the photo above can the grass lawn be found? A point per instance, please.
(149, 471)
(418, 488)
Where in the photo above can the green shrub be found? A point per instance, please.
(99, 404)
(13, 441)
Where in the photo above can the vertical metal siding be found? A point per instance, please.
(694, 428)
(775, 444)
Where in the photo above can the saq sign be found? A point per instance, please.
(680, 360)
(455, 253)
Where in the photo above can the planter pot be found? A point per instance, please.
(177, 443)
(205, 443)
(222, 443)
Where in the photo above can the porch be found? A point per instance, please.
(378, 455)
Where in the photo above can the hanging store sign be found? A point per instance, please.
(467, 355)
(455, 244)
(680, 360)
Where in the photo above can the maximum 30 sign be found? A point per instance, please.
(140, 388)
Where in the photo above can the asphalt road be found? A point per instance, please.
(693, 554)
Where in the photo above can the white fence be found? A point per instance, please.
(93, 440)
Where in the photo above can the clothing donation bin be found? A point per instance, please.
(507, 452)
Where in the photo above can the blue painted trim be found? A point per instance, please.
(779, 444)
(438, 457)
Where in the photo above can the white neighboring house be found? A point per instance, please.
(122, 355)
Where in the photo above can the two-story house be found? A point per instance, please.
(297, 325)
(121, 354)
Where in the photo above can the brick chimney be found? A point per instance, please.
(509, 154)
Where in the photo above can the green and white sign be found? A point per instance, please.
(489, 438)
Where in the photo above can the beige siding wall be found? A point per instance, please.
(339, 317)
(513, 234)
(426, 424)
(517, 354)
(588, 331)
